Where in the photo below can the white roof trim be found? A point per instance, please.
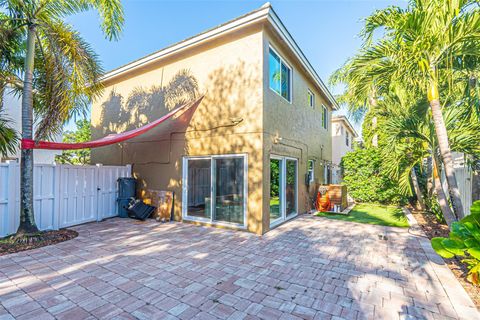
(233, 25)
(283, 32)
(345, 120)
(265, 12)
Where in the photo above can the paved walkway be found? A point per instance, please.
(310, 268)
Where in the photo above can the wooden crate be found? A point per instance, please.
(162, 200)
(338, 195)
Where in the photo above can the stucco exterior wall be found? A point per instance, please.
(238, 115)
(297, 124)
(229, 72)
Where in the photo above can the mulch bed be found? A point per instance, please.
(432, 228)
(46, 238)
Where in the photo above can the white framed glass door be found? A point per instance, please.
(283, 189)
(215, 189)
(276, 186)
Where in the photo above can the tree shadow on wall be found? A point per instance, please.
(145, 105)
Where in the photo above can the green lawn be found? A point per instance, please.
(372, 214)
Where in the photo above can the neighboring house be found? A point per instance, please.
(343, 138)
(13, 110)
(243, 161)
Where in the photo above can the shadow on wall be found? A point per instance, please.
(146, 105)
(227, 121)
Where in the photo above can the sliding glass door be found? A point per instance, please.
(276, 202)
(229, 190)
(291, 187)
(199, 176)
(283, 189)
(215, 189)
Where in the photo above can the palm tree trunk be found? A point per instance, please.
(444, 146)
(418, 192)
(27, 218)
(448, 215)
(429, 176)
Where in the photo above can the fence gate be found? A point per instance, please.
(78, 195)
(64, 195)
(107, 191)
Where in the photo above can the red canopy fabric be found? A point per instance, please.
(110, 139)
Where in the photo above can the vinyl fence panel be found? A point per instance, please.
(64, 195)
(464, 175)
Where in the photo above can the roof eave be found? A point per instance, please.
(347, 122)
(285, 35)
(265, 12)
(249, 19)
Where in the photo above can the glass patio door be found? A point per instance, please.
(229, 190)
(215, 189)
(283, 189)
(276, 201)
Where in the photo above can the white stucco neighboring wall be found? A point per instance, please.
(341, 128)
(13, 110)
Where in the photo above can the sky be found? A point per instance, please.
(326, 30)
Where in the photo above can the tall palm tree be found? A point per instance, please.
(430, 45)
(60, 72)
(409, 138)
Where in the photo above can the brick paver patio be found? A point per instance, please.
(310, 268)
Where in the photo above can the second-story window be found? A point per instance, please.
(280, 75)
(325, 117)
(347, 139)
(311, 99)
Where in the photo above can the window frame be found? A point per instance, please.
(283, 183)
(311, 98)
(324, 117)
(312, 176)
(290, 80)
(347, 138)
(211, 220)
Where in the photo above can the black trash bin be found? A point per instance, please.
(123, 207)
(126, 187)
(126, 192)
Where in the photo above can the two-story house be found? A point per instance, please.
(12, 108)
(260, 136)
(343, 138)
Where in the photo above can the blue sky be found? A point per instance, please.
(325, 30)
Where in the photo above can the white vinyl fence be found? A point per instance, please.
(464, 175)
(64, 195)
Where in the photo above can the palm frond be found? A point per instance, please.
(66, 79)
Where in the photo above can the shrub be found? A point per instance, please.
(365, 179)
(464, 242)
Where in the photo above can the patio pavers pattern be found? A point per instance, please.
(308, 268)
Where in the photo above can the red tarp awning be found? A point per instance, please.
(113, 138)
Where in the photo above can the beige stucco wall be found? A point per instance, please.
(297, 124)
(232, 72)
(228, 71)
(338, 140)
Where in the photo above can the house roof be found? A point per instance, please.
(263, 14)
(347, 123)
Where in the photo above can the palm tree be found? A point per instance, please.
(409, 138)
(8, 136)
(431, 45)
(60, 72)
